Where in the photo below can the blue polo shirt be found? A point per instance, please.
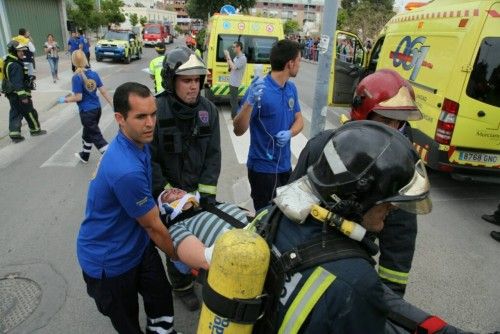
(74, 44)
(90, 100)
(110, 240)
(277, 113)
(86, 45)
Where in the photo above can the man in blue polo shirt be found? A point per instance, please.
(116, 242)
(271, 109)
(85, 45)
(74, 43)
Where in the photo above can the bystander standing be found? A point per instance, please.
(51, 49)
(237, 67)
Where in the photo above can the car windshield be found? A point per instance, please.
(116, 35)
(152, 30)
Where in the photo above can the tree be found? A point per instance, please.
(138, 4)
(80, 13)
(111, 12)
(202, 8)
(290, 27)
(85, 15)
(134, 19)
(364, 17)
(143, 20)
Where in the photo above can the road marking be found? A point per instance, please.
(240, 143)
(12, 152)
(64, 157)
(307, 114)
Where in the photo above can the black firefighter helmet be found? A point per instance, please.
(14, 46)
(370, 163)
(181, 61)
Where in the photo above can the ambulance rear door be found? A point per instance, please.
(477, 129)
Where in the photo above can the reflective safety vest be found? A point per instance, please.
(155, 67)
(305, 300)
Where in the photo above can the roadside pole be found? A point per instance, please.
(325, 48)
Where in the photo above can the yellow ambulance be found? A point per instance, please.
(449, 50)
(257, 35)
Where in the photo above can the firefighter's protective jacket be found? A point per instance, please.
(186, 151)
(341, 296)
(17, 76)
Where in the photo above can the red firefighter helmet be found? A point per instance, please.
(386, 93)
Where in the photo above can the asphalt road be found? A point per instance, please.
(456, 268)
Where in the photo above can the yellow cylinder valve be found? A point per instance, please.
(237, 271)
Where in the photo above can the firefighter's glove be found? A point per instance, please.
(209, 251)
(61, 99)
(283, 137)
(256, 90)
(181, 267)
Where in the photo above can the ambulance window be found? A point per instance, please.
(484, 82)
(256, 48)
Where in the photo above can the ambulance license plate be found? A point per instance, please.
(109, 53)
(484, 158)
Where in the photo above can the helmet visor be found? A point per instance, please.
(414, 197)
(401, 107)
(193, 66)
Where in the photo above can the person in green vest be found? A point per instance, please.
(156, 65)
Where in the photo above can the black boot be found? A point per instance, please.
(17, 139)
(495, 235)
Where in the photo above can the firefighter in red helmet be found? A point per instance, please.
(386, 97)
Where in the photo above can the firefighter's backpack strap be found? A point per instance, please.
(223, 215)
(244, 311)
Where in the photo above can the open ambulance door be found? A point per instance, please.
(348, 67)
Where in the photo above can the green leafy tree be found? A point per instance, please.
(138, 4)
(201, 9)
(80, 11)
(143, 20)
(364, 17)
(134, 19)
(200, 39)
(111, 11)
(290, 27)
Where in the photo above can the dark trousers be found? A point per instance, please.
(233, 100)
(22, 107)
(87, 55)
(91, 133)
(116, 297)
(397, 246)
(263, 186)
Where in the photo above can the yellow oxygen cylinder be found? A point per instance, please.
(237, 271)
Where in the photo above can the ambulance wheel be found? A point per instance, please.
(99, 59)
(128, 59)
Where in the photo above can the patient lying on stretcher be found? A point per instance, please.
(194, 236)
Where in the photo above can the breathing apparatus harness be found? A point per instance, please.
(329, 246)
